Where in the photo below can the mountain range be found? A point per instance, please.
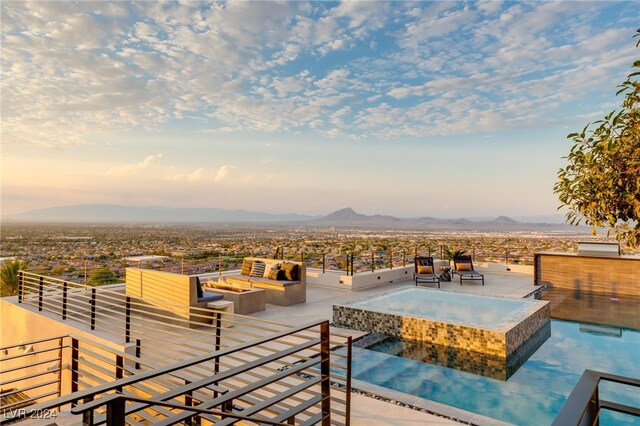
(346, 217)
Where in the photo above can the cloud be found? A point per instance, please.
(78, 73)
(223, 174)
(134, 169)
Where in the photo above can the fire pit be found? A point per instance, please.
(245, 300)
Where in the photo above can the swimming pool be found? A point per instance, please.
(491, 325)
(535, 393)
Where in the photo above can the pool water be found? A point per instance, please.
(464, 309)
(535, 393)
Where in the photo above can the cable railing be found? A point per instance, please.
(349, 258)
(292, 385)
(584, 405)
(153, 334)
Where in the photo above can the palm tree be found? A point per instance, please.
(10, 277)
(450, 254)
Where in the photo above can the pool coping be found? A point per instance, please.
(421, 404)
(498, 339)
(502, 327)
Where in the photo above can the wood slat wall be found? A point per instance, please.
(167, 290)
(611, 275)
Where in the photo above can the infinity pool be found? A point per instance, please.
(458, 308)
(534, 394)
(490, 325)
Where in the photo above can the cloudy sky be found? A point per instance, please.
(430, 108)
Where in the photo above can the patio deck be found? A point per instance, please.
(319, 306)
(371, 411)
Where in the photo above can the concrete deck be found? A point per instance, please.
(368, 411)
(319, 306)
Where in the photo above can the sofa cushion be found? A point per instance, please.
(257, 269)
(463, 267)
(291, 271)
(246, 266)
(275, 273)
(270, 267)
(210, 297)
(422, 269)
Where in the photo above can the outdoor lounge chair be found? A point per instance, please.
(424, 270)
(463, 266)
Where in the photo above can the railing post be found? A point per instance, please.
(323, 264)
(60, 345)
(390, 259)
(348, 383)
(373, 262)
(75, 355)
(506, 256)
(302, 256)
(404, 259)
(127, 320)
(347, 264)
(20, 286)
(138, 350)
(351, 264)
(115, 412)
(188, 401)
(93, 308)
(325, 371)
(119, 373)
(216, 360)
(64, 300)
(87, 416)
(40, 292)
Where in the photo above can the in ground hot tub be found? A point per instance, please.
(492, 325)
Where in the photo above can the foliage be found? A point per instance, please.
(450, 254)
(101, 276)
(10, 277)
(601, 184)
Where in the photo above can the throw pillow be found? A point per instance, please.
(425, 269)
(246, 266)
(463, 267)
(270, 267)
(273, 273)
(290, 271)
(257, 269)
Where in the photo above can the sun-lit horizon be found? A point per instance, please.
(444, 109)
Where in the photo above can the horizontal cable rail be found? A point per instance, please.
(272, 392)
(157, 339)
(584, 403)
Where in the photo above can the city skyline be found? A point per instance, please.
(444, 109)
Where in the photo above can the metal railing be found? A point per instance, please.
(158, 338)
(584, 404)
(291, 384)
(348, 259)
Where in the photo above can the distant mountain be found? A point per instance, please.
(344, 218)
(111, 213)
(347, 217)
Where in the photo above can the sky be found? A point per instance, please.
(445, 109)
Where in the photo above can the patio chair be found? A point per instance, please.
(463, 266)
(424, 271)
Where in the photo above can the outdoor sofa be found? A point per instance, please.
(284, 281)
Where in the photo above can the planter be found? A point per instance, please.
(245, 301)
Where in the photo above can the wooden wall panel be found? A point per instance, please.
(611, 275)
